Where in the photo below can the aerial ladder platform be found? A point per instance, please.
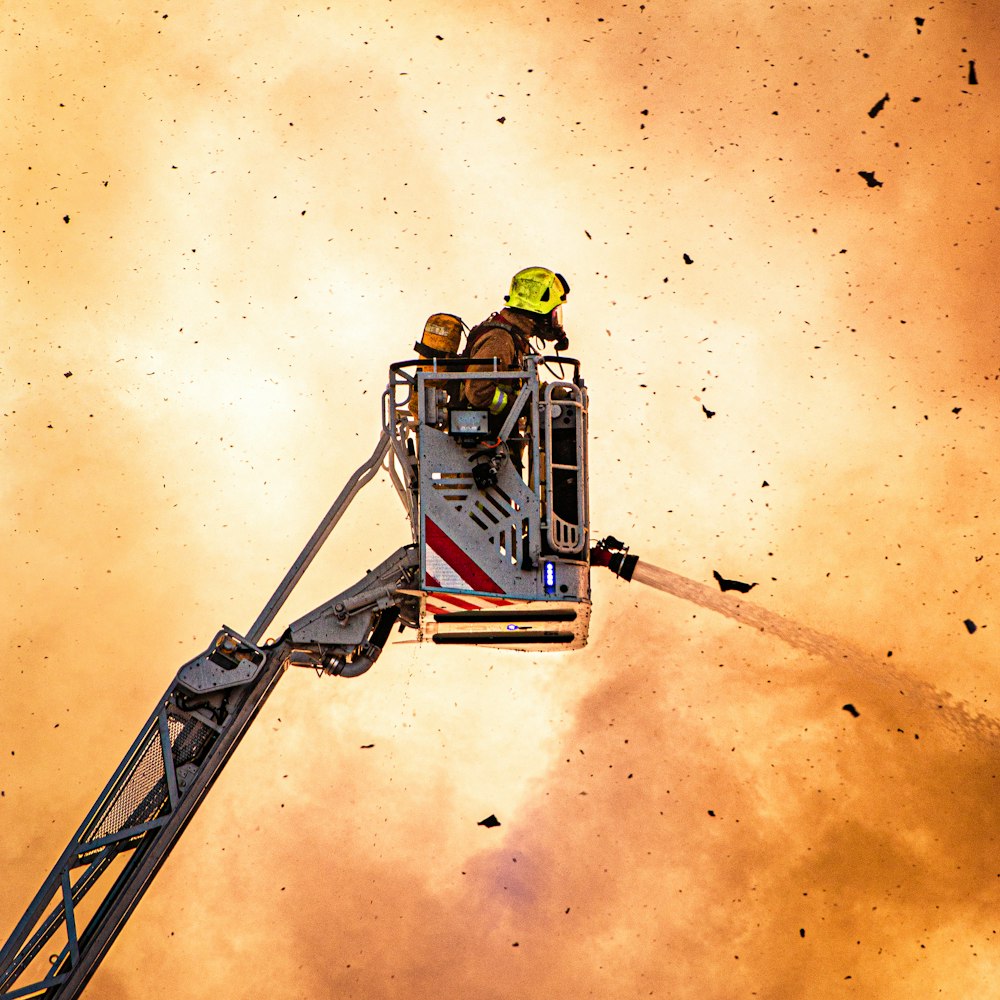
(500, 557)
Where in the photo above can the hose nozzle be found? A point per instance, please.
(614, 554)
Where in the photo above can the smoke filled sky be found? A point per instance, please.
(779, 221)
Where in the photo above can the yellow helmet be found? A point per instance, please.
(537, 290)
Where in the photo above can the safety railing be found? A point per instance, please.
(564, 436)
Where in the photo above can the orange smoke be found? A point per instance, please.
(218, 233)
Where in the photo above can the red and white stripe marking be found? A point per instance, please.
(447, 604)
(447, 565)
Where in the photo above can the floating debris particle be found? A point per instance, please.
(878, 106)
(737, 585)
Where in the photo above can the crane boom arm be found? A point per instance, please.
(129, 832)
(192, 733)
(499, 558)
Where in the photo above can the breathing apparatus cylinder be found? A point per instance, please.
(441, 337)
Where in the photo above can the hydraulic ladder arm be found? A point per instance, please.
(180, 751)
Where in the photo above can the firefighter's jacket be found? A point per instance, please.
(503, 336)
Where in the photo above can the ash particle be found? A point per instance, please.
(738, 585)
(878, 106)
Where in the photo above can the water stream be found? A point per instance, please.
(955, 716)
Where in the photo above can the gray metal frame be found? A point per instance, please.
(548, 405)
(564, 406)
(490, 524)
(499, 566)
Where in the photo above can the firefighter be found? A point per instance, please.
(534, 309)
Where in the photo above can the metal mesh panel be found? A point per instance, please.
(188, 737)
(136, 799)
(141, 793)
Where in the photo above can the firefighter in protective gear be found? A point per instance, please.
(533, 310)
